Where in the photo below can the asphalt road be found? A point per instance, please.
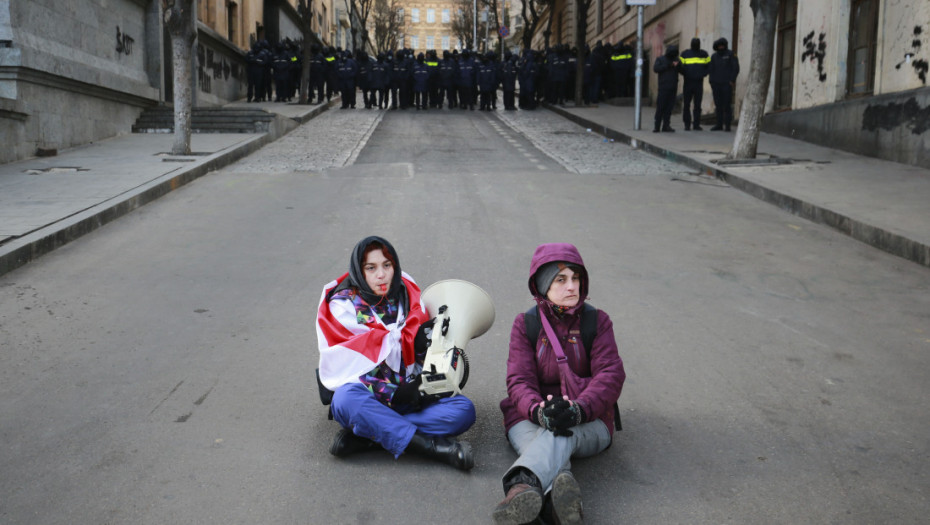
(160, 369)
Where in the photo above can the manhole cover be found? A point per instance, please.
(57, 169)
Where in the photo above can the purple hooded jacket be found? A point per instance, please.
(532, 373)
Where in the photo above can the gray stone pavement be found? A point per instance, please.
(47, 202)
(884, 204)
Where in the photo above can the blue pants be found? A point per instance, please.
(355, 408)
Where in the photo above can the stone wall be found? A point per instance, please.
(70, 72)
(221, 69)
(894, 126)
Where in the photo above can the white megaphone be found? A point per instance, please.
(462, 312)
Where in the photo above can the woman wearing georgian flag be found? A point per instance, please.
(372, 334)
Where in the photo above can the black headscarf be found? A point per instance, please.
(356, 279)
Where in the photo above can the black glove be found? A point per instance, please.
(541, 418)
(408, 394)
(560, 415)
(422, 339)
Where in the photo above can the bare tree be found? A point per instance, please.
(581, 35)
(180, 22)
(531, 11)
(494, 23)
(387, 24)
(305, 21)
(359, 11)
(463, 23)
(746, 141)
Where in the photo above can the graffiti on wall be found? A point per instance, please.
(123, 43)
(816, 52)
(889, 116)
(213, 66)
(920, 65)
(203, 79)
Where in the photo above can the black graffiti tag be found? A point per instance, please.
(816, 52)
(123, 42)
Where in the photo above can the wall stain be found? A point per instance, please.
(891, 115)
(816, 52)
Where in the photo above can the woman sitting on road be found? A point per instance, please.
(372, 336)
(552, 414)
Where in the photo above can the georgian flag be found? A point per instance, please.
(349, 349)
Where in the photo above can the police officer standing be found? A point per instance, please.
(448, 69)
(668, 66)
(694, 63)
(621, 69)
(317, 75)
(255, 69)
(347, 71)
(723, 69)
(509, 80)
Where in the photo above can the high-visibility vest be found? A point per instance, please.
(621, 57)
(695, 60)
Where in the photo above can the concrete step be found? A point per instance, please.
(206, 120)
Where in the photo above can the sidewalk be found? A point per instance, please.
(48, 202)
(881, 203)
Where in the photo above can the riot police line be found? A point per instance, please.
(458, 80)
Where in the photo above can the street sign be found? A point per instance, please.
(640, 2)
(504, 31)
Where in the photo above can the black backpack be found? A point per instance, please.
(588, 332)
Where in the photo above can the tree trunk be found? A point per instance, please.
(305, 72)
(746, 141)
(179, 21)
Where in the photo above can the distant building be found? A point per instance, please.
(428, 26)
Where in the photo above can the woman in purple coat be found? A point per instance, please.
(545, 426)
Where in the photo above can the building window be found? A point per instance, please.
(232, 21)
(414, 41)
(415, 15)
(430, 16)
(445, 42)
(863, 28)
(446, 17)
(784, 58)
(431, 42)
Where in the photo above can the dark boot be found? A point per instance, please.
(346, 443)
(566, 499)
(455, 453)
(521, 505)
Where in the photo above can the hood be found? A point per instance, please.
(695, 44)
(671, 51)
(556, 252)
(721, 44)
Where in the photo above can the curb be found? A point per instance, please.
(877, 237)
(27, 248)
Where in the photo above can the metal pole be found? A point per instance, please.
(637, 123)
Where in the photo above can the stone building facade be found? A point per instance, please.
(851, 74)
(76, 72)
(428, 26)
